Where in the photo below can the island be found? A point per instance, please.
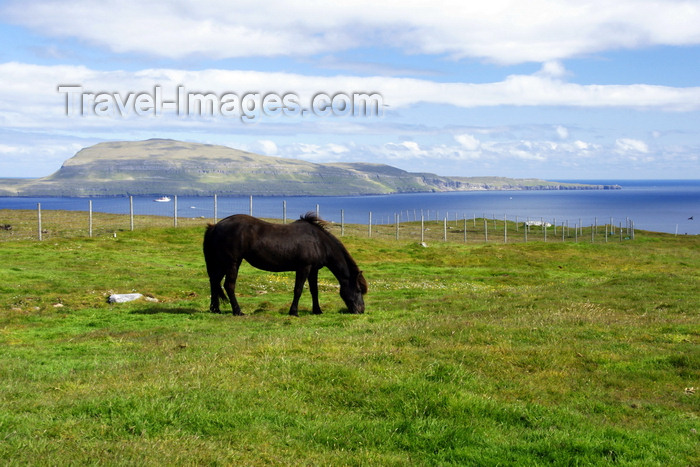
(165, 166)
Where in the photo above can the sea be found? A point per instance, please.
(671, 206)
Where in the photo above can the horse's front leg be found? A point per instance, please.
(313, 288)
(302, 274)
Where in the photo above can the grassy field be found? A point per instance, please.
(469, 354)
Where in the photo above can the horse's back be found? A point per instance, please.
(268, 246)
(243, 232)
(238, 226)
(240, 221)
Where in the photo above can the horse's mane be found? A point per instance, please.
(312, 218)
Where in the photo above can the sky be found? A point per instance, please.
(558, 90)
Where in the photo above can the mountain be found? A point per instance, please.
(160, 166)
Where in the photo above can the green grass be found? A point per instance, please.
(478, 354)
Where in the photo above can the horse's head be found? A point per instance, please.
(352, 291)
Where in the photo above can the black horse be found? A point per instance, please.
(304, 246)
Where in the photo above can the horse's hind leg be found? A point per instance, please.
(216, 274)
(230, 287)
(216, 292)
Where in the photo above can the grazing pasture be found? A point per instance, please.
(477, 354)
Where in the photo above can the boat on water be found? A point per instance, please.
(162, 199)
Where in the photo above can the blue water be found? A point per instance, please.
(657, 205)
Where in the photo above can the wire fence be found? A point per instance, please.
(51, 219)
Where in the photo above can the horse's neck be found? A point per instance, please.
(341, 264)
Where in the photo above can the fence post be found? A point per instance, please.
(422, 227)
(444, 229)
(216, 208)
(369, 225)
(38, 215)
(544, 225)
(251, 205)
(486, 230)
(620, 230)
(342, 222)
(318, 211)
(175, 211)
(131, 213)
(90, 218)
(284, 211)
(396, 221)
(465, 229)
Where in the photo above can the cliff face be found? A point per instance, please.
(173, 167)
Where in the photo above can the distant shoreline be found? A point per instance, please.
(654, 205)
(6, 192)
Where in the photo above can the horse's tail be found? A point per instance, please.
(214, 268)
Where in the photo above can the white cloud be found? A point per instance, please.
(29, 97)
(410, 146)
(312, 152)
(267, 147)
(503, 31)
(628, 145)
(552, 69)
(542, 153)
(46, 156)
(468, 142)
(562, 132)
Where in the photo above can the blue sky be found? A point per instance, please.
(547, 89)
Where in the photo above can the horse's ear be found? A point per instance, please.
(361, 283)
